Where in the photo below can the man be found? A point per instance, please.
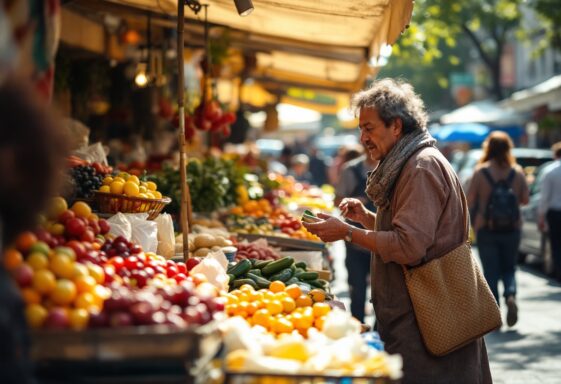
(352, 183)
(550, 207)
(420, 216)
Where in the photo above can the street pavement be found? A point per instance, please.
(529, 352)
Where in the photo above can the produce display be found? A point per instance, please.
(202, 244)
(257, 250)
(131, 186)
(262, 273)
(73, 274)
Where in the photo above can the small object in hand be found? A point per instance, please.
(309, 217)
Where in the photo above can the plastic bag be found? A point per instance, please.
(213, 266)
(166, 236)
(144, 232)
(93, 153)
(120, 226)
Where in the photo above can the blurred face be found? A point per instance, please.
(377, 138)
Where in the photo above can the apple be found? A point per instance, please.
(181, 295)
(23, 275)
(180, 277)
(77, 247)
(65, 216)
(191, 263)
(75, 227)
(181, 267)
(57, 318)
(88, 236)
(135, 249)
(66, 251)
(104, 226)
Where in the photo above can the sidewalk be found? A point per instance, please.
(529, 352)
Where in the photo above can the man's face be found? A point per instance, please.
(377, 138)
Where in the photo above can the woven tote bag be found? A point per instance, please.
(453, 303)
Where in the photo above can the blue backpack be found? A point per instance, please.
(502, 213)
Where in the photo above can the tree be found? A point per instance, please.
(485, 23)
(549, 12)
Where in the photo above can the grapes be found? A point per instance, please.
(86, 179)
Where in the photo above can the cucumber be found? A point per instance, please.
(231, 278)
(308, 276)
(324, 283)
(260, 281)
(283, 275)
(277, 266)
(252, 261)
(260, 264)
(301, 265)
(256, 272)
(304, 287)
(239, 282)
(292, 280)
(241, 268)
(316, 284)
(293, 268)
(298, 271)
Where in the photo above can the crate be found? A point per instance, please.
(113, 203)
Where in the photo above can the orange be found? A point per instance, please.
(64, 292)
(231, 299)
(317, 295)
(255, 296)
(277, 286)
(262, 317)
(81, 209)
(79, 318)
(232, 309)
(44, 281)
(283, 325)
(12, 259)
(274, 307)
(321, 309)
(288, 304)
(35, 315)
(304, 301)
(236, 211)
(62, 266)
(30, 296)
(85, 283)
(293, 291)
(246, 288)
(25, 240)
(319, 322)
(252, 308)
(85, 300)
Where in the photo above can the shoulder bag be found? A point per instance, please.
(453, 303)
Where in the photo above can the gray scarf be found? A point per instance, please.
(380, 183)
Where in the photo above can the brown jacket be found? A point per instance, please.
(426, 218)
(480, 189)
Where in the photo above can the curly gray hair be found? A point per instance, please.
(393, 99)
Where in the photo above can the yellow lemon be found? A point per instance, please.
(105, 189)
(117, 187)
(131, 189)
(151, 185)
(142, 189)
(134, 179)
(108, 180)
(119, 179)
(157, 195)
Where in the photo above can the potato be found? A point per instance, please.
(204, 240)
(216, 248)
(201, 252)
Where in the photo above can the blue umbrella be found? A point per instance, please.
(472, 133)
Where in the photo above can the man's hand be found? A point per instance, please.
(329, 229)
(353, 209)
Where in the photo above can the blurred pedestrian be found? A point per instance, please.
(300, 168)
(420, 217)
(549, 209)
(30, 157)
(318, 168)
(352, 183)
(344, 154)
(496, 191)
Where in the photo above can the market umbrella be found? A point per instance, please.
(472, 133)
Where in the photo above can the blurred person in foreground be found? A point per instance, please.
(352, 183)
(496, 191)
(30, 156)
(549, 209)
(420, 217)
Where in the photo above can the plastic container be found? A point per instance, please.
(230, 252)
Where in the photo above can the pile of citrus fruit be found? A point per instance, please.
(58, 291)
(279, 309)
(131, 186)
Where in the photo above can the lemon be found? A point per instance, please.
(117, 186)
(123, 175)
(119, 179)
(151, 185)
(131, 189)
(133, 179)
(107, 181)
(157, 195)
(142, 189)
(105, 189)
(81, 209)
(150, 195)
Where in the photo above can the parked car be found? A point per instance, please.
(533, 241)
(528, 158)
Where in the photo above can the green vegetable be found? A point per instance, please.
(239, 282)
(241, 268)
(277, 266)
(283, 275)
(260, 281)
(308, 275)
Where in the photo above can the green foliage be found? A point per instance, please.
(549, 14)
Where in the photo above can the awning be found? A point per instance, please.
(486, 112)
(311, 43)
(547, 94)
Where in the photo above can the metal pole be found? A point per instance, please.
(185, 194)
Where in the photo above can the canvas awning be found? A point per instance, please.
(547, 94)
(312, 43)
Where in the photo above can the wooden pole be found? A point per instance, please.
(185, 194)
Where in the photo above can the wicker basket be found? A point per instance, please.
(113, 203)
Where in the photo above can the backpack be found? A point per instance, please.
(502, 212)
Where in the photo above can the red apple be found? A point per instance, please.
(104, 226)
(23, 275)
(57, 319)
(65, 216)
(75, 227)
(78, 248)
(88, 236)
(192, 262)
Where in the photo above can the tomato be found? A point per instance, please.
(25, 241)
(118, 262)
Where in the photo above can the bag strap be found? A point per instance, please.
(510, 177)
(488, 176)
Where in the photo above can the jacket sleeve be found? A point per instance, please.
(420, 201)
